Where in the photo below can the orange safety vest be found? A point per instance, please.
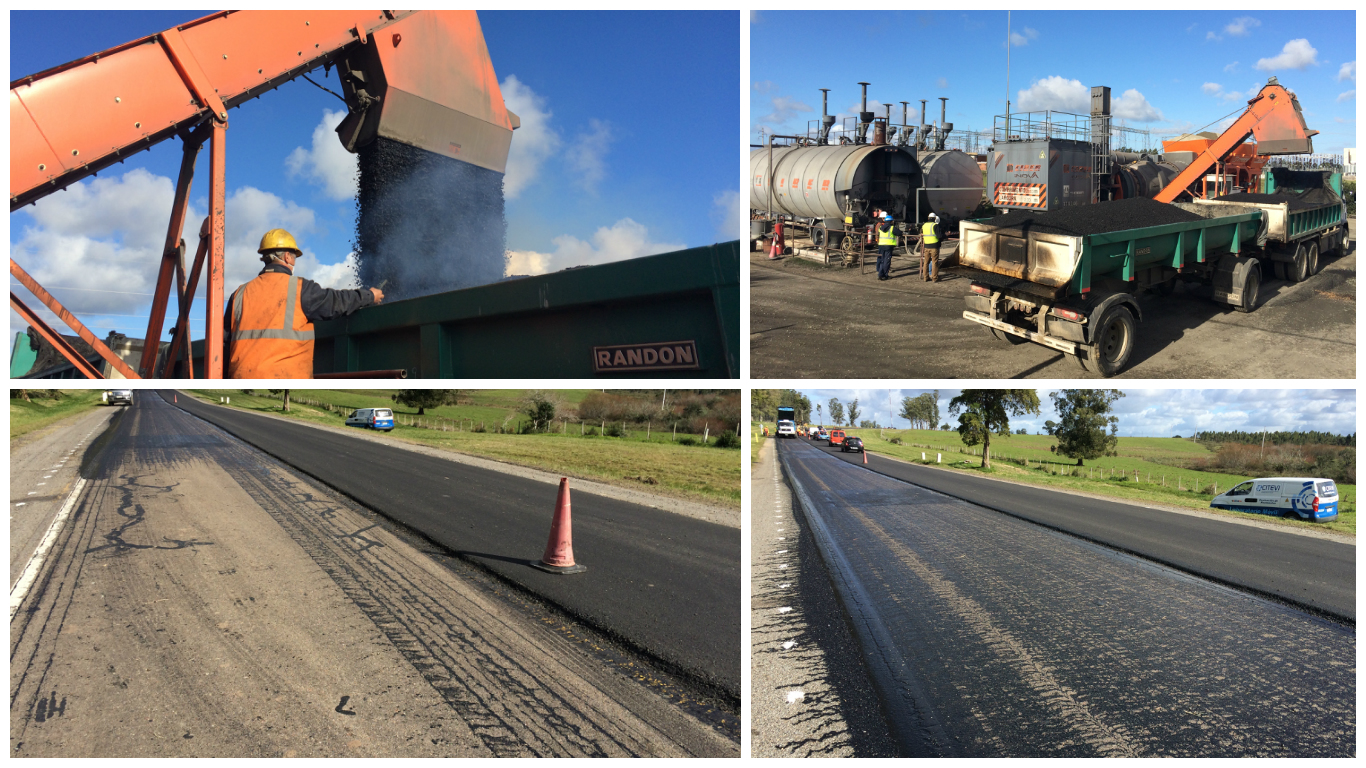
(267, 333)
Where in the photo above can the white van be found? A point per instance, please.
(372, 418)
(1309, 498)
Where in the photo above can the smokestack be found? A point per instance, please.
(905, 127)
(864, 116)
(827, 119)
(945, 128)
(924, 127)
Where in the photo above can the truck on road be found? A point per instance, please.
(787, 421)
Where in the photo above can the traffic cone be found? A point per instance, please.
(559, 550)
(865, 455)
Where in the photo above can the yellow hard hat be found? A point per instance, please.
(278, 239)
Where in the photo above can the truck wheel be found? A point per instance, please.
(1114, 341)
(1008, 337)
(1252, 285)
(1313, 261)
(1298, 270)
(1278, 269)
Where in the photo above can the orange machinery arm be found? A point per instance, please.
(74, 120)
(1273, 116)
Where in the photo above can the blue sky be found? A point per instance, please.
(626, 149)
(1148, 412)
(1187, 68)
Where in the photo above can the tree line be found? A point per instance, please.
(1312, 437)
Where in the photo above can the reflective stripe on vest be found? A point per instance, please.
(929, 234)
(269, 338)
(886, 238)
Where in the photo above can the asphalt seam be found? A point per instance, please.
(1234, 584)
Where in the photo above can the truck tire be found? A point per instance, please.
(1278, 270)
(1313, 260)
(1113, 341)
(1298, 270)
(1252, 288)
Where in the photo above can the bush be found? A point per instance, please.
(614, 430)
(728, 439)
(895, 441)
(687, 441)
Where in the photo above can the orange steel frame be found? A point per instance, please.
(1272, 115)
(180, 82)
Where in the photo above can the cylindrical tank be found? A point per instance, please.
(1145, 178)
(813, 181)
(949, 168)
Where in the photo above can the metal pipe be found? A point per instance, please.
(180, 340)
(393, 373)
(65, 316)
(864, 106)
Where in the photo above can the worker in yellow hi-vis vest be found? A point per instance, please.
(886, 241)
(930, 236)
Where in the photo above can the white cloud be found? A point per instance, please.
(763, 86)
(101, 240)
(1023, 37)
(1133, 106)
(784, 108)
(1347, 95)
(1348, 71)
(942, 82)
(327, 163)
(1055, 92)
(727, 214)
(754, 17)
(1296, 54)
(1231, 67)
(341, 275)
(1212, 36)
(532, 143)
(626, 239)
(587, 155)
(1211, 89)
(1242, 26)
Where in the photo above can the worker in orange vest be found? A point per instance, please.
(268, 323)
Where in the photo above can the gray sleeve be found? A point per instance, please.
(321, 303)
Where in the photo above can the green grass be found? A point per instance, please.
(1158, 460)
(28, 417)
(697, 472)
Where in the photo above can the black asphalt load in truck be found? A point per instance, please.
(1069, 279)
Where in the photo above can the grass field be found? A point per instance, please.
(1158, 461)
(27, 417)
(677, 469)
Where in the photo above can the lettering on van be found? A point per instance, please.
(662, 356)
(1268, 489)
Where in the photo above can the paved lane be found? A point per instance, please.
(668, 583)
(994, 636)
(1314, 573)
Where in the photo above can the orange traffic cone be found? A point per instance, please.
(865, 455)
(559, 550)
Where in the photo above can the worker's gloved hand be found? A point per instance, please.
(379, 295)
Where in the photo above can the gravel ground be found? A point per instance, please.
(1133, 213)
(810, 692)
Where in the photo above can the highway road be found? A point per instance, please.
(204, 599)
(667, 583)
(987, 635)
(1314, 573)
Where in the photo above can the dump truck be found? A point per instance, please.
(1070, 279)
(1305, 217)
(787, 421)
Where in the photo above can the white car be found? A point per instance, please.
(1308, 498)
(118, 397)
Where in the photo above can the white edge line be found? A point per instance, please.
(35, 563)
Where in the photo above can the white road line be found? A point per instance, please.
(35, 563)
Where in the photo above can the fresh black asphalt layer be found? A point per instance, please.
(666, 583)
(1312, 573)
(989, 636)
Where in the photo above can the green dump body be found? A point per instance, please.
(1071, 264)
(674, 315)
(1287, 226)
